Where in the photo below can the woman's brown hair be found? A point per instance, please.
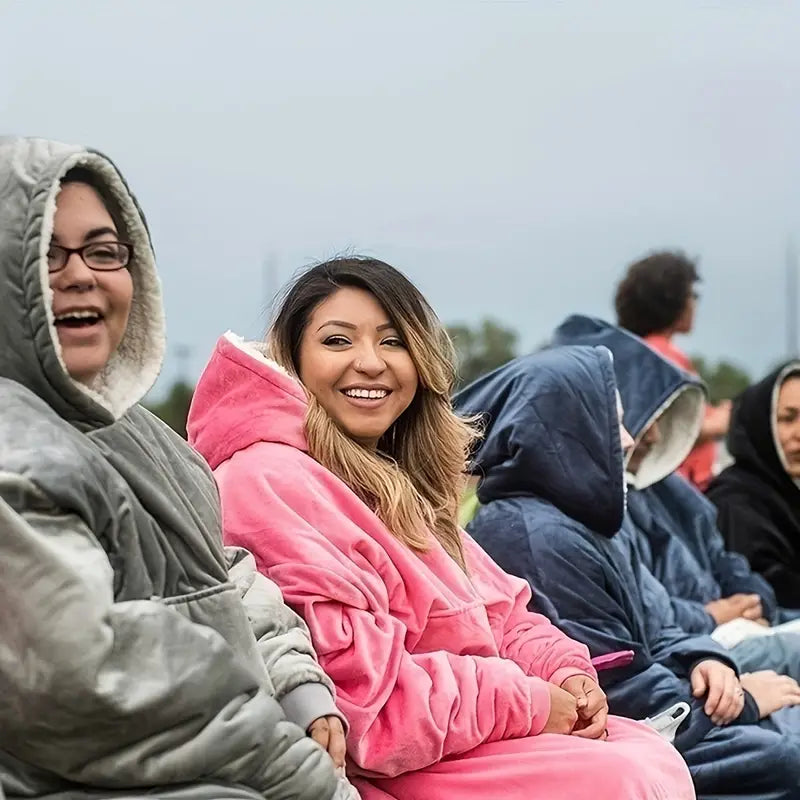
(413, 481)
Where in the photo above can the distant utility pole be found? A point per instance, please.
(183, 355)
(791, 300)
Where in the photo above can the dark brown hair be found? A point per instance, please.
(654, 292)
(414, 480)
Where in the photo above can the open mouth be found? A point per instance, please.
(78, 319)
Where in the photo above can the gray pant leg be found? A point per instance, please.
(780, 652)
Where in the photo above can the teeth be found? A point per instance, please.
(367, 394)
(78, 315)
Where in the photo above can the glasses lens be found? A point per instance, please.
(106, 255)
(55, 259)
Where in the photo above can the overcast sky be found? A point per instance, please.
(510, 157)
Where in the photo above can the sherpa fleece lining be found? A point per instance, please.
(258, 350)
(786, 372)
(134, 367)
(680, 418)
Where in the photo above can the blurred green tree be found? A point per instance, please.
(174, 408)
(482, 347)
(724, 379)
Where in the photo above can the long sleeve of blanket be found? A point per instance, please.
(748, 530)
(670, 644)
(570, 585)
(695, 520)
(530, 639)
(126, 694)
(691, 616)
(300, 684)
(406, 710)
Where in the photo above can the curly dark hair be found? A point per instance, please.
(654, 292)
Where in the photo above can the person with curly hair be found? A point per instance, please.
(656, 299)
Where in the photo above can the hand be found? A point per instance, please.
(591, 705)
(725, 696)
(763, 622)
(771, 691)
(563, 711)
(735, 606)
(328, 733)
(718, 420)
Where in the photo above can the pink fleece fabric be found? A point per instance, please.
(442, 677)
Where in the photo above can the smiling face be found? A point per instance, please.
(90, 308)
(787, 424)
(353, 361)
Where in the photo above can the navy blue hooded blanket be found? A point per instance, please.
(679, 538)
(552, 506)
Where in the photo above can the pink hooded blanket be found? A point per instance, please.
(443, 677)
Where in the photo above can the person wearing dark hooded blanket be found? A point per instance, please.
(552, 506)
(758, 496)
(128, 664)
(712, 590)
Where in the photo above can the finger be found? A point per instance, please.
(594, 730)
(731, 704)
(337, 744)
(581, 702)
(728, 702)
(320, 732)
(737, 700)
(793, 697)
(699, 685)
(597, 703)
(752, 612)
(716, 688)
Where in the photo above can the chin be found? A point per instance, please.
(83, 371)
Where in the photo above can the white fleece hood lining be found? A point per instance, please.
(259, 351)
(134, 367)
(785, 373)
(680, 418)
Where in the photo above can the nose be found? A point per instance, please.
(75, 275)
(653, 435)
(627, 439)
(369, 362)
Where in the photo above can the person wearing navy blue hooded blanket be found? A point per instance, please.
(712, 590)
(552, 500)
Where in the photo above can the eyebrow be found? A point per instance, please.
(94, 233)
(349, 325)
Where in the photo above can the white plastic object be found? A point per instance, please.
(666, 723)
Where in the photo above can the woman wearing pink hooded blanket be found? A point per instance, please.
(340, 463)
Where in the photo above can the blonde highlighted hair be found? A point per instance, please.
(414, 480)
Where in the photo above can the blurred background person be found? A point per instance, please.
(657, 299)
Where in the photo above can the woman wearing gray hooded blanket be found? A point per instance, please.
(128, 665)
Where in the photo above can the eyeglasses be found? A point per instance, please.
(99, 256)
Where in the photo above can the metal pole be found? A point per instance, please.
(183, 354)
(791, 300)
